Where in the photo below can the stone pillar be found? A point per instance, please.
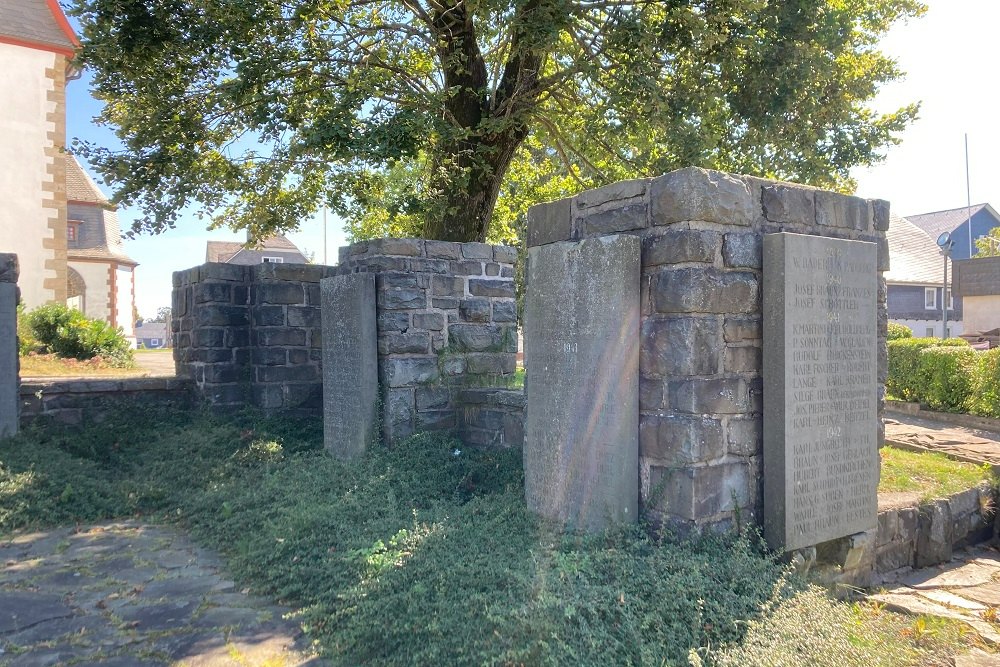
(211, 329)
(9, 295)
(446, 320)
(350, 364)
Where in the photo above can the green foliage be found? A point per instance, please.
(945, 376)
(26, 341)
(931, 474)
(984, 397)
(68, 333)
(989, 245)
(897, 331)
(419, 115)
(429, 534)
(904, 380)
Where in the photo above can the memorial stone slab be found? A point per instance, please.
(581, 345)
(821, 464)
(350, 364)
(8, 360)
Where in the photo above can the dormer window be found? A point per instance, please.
(73, 230)
(272, 260)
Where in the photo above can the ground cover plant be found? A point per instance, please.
(931, 474)
(419, 555)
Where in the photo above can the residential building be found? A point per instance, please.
(152, 335)
(914, 282)
(955, 221)
(977, 280)
(100, 275)
(277, 249)
(36, 45)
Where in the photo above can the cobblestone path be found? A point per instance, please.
(126, 594)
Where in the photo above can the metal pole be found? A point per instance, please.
(944, 296)
(324, 235)
(968, 198)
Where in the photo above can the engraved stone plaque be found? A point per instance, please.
(581, 349)
(821, 465)
(350, 363)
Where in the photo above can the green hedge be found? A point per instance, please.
(895, 331)
(945, 376)
(905, 381)
(68, 333)
(984, 399)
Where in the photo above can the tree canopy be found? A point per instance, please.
(988, 245)
(440, 116)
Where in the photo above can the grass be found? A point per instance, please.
(930, 474)
(50, 365)
(425, 554)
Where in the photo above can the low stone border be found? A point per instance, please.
(71, 401)
(492, 417)
(968, 421)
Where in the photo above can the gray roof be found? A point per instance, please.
(947, 221)
(80, 186)
(239, 253)
(914, 257)
(35, 21)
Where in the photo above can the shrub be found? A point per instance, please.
(26, 341)
(904, 380)
(985, 393)
(946, 376)
(68, 333)
(897, 331)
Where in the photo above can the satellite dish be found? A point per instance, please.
(944, 239)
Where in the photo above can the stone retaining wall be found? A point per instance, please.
(9, 363)
(76, 401)
(249, 335)
(959, 419)
(446, 319)
(911, 537)
(700, 367)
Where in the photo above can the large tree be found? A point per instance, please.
(405, 112)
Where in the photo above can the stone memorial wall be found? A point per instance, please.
(700, 365)
(581, 314)
(446, 320)
(821, 397)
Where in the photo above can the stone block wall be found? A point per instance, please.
(700, 386)
(79, 401)
(446, 319)
(492, 417)
(9, 363)
(249, 335)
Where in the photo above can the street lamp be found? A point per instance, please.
(945, 243)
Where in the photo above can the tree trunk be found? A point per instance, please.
(468, 209)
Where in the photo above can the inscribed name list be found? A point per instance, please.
(820, 389)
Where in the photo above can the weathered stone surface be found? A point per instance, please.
(742, 359)
(742, 251)
(582, 359)
(550, 222)
(744, 436)
(443, 249)
(695, 290)
(742, 328)
(389, 246)
(680, 439)
(476, 337)
(710, 396)
(505, 254)
(9, 269)
(680, 245)
(9, 410)
(676, 346)
(350, 364)
(695, 494)
(613, 192)
(820, 379)
(699, 194)
(475, 309)
(473, 250)
(504, 311)
(411, 342)
(402, 299)
(429, 321)
(408, 371)
(880, 214)
(491, 287)
(623, 219)
(836, 210)
(789, 204)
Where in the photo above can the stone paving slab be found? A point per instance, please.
(959, 441)
(135, 595)
(965, 589)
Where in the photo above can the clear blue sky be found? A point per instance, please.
(950, 57)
